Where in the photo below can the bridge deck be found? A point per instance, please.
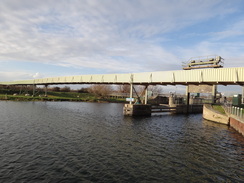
(223, 76)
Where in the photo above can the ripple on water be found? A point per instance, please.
(75, 142)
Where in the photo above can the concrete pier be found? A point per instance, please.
(212, 115)
(147, 110)
(189, 107)
(137, 110)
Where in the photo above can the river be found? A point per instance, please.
(94, 142)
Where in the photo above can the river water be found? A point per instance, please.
(94, 142)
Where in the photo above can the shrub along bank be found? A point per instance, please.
(59, 96)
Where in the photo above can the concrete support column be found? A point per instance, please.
(137, 110)
(146, 95)
(214, 91)
(46, 90)
(34, 90)
(171, 100)
(242, 101)
(131, 92)
(20, 89)
(187, 99)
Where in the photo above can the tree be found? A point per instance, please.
(56, 89)
(124, 88)
(100, 90)
(83, 90)
(65, 89)
(155, 89)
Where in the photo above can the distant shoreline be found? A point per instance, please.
(21, 98)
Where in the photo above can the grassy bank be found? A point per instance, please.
(218, 108)
(60, 96)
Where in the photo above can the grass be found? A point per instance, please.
(218, 108)
(61, 96)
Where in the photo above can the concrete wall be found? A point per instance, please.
(137, 110)
(182, 108)
(159, 100)
(210, 114)
(237, 124)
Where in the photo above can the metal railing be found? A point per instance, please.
(237, 112)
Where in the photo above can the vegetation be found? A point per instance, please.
(54, 94)
(218, 108)
(100, 90)
(94, 93)
(60, 96)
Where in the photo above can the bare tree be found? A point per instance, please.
(83, 90)
(65, 89)
(155, 89)
(56, 89)
(100, 90)
(124, 88)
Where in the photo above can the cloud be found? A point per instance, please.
(37, 75)
(231, 31)
(11, 76)
(126, 36)
(227, 43)
(231, 52)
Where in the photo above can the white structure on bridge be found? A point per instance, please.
(220, 76)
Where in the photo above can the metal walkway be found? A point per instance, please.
(220, 76)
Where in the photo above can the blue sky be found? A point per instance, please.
(71, 37)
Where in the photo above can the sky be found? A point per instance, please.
(47, 38)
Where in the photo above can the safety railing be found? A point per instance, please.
(237, 112)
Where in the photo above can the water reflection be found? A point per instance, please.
(75, 142)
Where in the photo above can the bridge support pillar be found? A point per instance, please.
(131, 92)
(137, 110)
(21, 87)
(242, 94)
(46, 90)
(34, 90)
(214, 91)
(187, 99)
(146, 95)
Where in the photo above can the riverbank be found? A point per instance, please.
(62, 96)
(217, 113)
